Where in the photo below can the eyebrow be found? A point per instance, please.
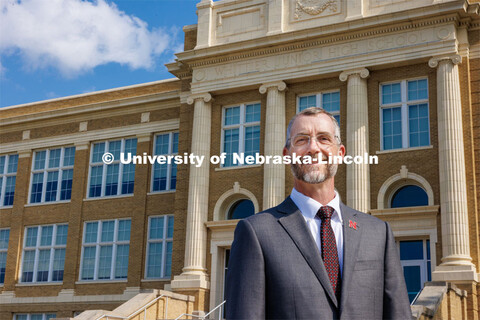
(318, 133)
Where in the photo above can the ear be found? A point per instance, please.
(286, 152)
(341, 150)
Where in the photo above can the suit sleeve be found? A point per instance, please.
(245, 287)
(395, 300)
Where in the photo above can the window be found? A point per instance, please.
(52, 174)
(44, 253)
(106, 246)
(329, 101)
(115, 178)
(4, 236)
(409, 196)
(8, 174)
(159, 247)
(416, 264)
(164, 176)
(404, 114)
(34, 316)
(241, 131)
(241, 209)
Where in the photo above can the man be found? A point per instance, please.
(312, 257)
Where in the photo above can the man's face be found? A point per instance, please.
(314, 136)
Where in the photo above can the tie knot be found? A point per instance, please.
(325, 212)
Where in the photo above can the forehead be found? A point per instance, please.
(312, 124)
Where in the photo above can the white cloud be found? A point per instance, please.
(76, 36)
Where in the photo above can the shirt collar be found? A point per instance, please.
(309, 207)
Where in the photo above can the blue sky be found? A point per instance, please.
(57, 48)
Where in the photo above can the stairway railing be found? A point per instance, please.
(205, 316)
(143, 308)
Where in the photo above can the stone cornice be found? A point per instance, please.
(282, 43)
(455, 58)
(279, 85)
(362, 72)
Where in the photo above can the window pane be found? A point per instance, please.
(52, 186)
(98, 151)
(161, 144)
(154, 267)
(413, 280)
(27, 268)
(160, 177)
(3, 263)
(252, 112)
(58, 265)
(39, 162)
(61, 238)
(175, 143)
(307, 102)
(170, 228)
(66, 188)
(131, 146)
(232, 116)
(252, 140)
(50, 315)
(91, 232)
(411, 250)
(409, 196)
(9, 191)
(108, 228)
(419, 133)
(111, 185)
(331, 102)
(3, 160)
(173, 177)
(12, 163)
(114, 148)
(105, 262)
(88, 266)
(69, 157)
(417, 89)
(230, 145)
(392, 128)
(4, 236)
(54, 158)
(36, 316)
(43, 265)
(96, 182)
(37, 186)
(128, 178)
(46, 236)
(168, 260)
(21, 317)
(121, 263)
(124, 230)
(31, 238)
(156, 228)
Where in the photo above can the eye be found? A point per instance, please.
(301, 140)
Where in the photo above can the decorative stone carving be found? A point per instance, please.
(456, 59)
(362, 72)
(207, 97)
(314, 7)
(279, 85)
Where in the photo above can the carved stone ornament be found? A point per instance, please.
(454, 58)
(314, 7)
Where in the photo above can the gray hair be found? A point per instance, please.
(313, 111)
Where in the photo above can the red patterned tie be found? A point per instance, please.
(329, 248)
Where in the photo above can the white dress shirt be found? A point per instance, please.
(309, 208)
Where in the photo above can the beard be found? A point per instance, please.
(314, 174)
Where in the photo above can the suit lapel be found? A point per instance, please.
(351, 240)
(294, 224)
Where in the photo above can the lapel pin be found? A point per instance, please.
(352, 224)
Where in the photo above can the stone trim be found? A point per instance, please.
(455, 58)
(206, 97)
(362, 73)
(279, 85)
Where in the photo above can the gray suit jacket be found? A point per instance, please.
(275, 270)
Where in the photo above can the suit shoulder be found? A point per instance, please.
(371, 220)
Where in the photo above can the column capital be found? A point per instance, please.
(279, 85)
(454, 58)
(362, 72)
(207, 97)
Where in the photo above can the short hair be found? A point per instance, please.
(313, 111)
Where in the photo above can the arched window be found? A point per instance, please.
(409, 196)
(241, 209)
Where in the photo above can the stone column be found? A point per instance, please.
(205, 22)
(358, 175)
(274, 174)
(194, 278)
(456, 261)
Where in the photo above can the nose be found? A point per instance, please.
(314, 146)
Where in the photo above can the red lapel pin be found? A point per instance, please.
(352, 224)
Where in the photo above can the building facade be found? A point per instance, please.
(402, 78)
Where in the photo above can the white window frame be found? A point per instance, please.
(5, 250)
(403, 104)
(241, 126)
(4, 177)
(29, 315)
(319, 101)
(115, 243)
(169, 166)
(104, 170)
(37, 249)
(164, 242)
(46, 170)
